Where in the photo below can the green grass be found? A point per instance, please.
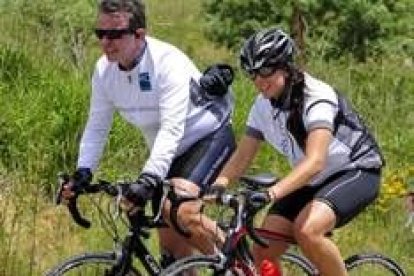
(378, 232)
(44, 95)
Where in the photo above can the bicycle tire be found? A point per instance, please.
(295, 264)
(371, 263)
(210, 265)
(69, 266)
(207, 264)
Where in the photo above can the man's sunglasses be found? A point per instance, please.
(263, 72)
(112, 33)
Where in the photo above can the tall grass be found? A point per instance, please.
(44, 93)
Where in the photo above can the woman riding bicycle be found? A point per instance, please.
(336, 163)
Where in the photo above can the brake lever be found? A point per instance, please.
(175, 205)
(118, 200)
(63, 179)
(165, 190)
(176, 201)
(256, 201)
(252, 233)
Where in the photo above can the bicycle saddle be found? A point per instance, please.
(263, 180)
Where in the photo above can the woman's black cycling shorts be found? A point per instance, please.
(347, 193)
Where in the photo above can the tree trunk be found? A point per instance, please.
(297, 30)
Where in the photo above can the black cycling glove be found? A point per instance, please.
(216, 79)
(143, 189)
(80, 178)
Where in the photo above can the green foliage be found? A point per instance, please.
(46, 127)
(362, 28)
(64, 28)
(369, 231)
(229, 22)
(178, 22)
(45, 93)
(14, 64)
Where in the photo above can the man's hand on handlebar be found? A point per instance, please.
(82, 177)
(139, 192)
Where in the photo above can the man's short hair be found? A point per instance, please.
(135, 7)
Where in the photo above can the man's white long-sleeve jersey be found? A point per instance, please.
(161, 96)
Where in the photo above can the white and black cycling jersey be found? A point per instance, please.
(352, 145)
(161, 96)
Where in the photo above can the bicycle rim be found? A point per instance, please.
(372, 264)
(201, 265)
(88, 264)
(295, 265)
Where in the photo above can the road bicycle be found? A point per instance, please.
(119, 260)
(234, 257)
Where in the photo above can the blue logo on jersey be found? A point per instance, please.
(144, 81)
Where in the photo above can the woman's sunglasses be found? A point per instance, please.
(112, 33)
(263, 72)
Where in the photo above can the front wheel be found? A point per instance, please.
(292, 264)
(90, 264)
(201, 265)
(296, 265)
(372, 264)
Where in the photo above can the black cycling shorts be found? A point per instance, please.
(202, 162)
(347, 193)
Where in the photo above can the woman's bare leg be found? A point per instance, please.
(310, 229)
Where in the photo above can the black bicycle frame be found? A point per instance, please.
(143, 254)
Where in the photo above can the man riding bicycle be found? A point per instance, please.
(184, 117)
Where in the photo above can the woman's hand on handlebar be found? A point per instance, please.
(273, 193)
